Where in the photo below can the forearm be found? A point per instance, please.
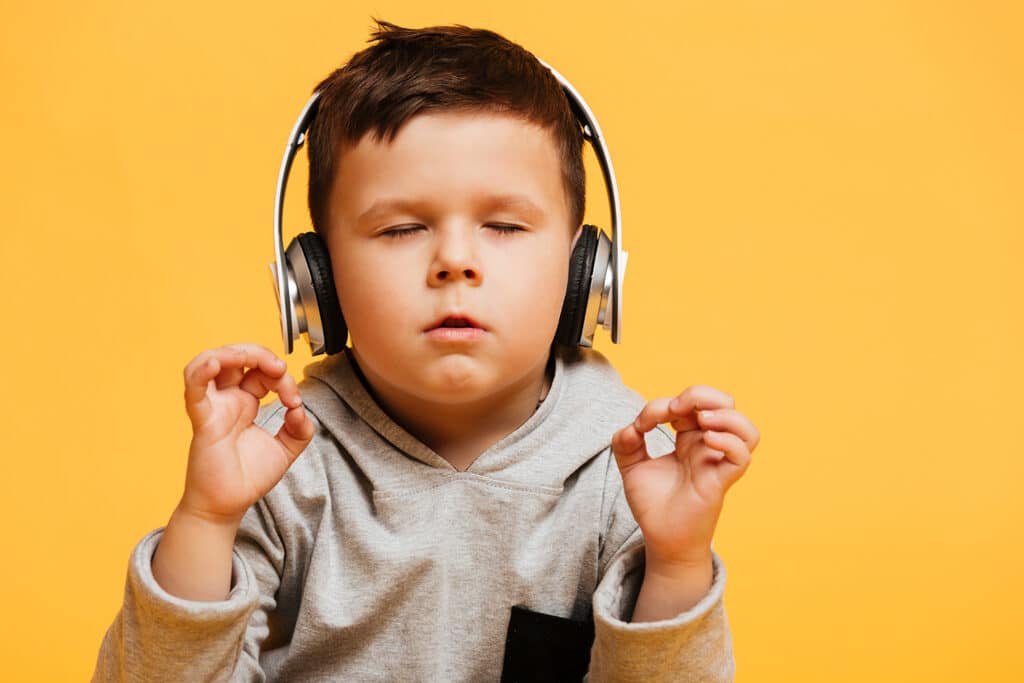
(194, 557)
(667, 592)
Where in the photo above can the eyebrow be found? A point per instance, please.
(515, 202)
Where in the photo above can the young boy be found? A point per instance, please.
(470, 504)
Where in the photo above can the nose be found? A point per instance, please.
(455, 259)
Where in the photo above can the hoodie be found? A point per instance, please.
(375, 559)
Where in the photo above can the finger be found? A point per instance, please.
(737, 457)
(703, 396)
(696, 397)
(257, 383)
(237, 357)
(232, 360)
(198, 374)
(654, 412)
(209, 364)
(728, 420)
(228, 377)
(295, 433)
(629, 447)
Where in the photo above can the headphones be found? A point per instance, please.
(308, 301)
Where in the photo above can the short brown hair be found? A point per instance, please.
(411, 71)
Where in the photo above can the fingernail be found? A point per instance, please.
(706, 414)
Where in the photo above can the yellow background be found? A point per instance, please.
(822, 205)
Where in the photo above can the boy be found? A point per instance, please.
(471, 504)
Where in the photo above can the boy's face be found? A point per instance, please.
(445, 176)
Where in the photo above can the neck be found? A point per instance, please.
(460, 432)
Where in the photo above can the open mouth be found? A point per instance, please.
(454, 321)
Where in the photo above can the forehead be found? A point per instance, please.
(450, 160)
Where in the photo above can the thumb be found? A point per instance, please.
(629, 447)
(295, 433)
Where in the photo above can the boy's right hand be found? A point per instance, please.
(233, 462)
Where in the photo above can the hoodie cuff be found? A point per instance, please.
(615, 598)
(694, 645)
(151, 596)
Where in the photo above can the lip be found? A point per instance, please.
(436, 325)
(455, 334)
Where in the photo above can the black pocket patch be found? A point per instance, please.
(543, 647)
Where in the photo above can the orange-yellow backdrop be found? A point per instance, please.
(822, 205)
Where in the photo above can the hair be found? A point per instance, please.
(411, 71)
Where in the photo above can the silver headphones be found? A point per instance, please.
(308, 301)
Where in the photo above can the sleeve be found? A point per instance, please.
(156, 636)
(695, 645)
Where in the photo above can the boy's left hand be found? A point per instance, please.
(676, 498)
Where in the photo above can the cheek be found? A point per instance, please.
(361, 292)
(537, 290)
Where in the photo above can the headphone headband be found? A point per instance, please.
(280, 272)
(591, 131)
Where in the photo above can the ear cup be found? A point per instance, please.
(577, 291)
(318, 259)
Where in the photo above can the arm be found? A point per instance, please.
(192, 623)
(675, 500)
(676, 643)
(221, 637)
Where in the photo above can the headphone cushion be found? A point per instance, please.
(577, 291)
(319, 261)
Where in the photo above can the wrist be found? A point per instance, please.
(193, 559)
(671, 589)
(183, 515)
(678, 567)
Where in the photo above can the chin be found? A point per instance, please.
(457, 374)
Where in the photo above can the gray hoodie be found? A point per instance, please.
(375, 559)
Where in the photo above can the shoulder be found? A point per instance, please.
(595, 402)
(304, 479)
(590, 377)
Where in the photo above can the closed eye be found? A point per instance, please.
(503, 229)
(401, 232)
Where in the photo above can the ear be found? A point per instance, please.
(576, 237)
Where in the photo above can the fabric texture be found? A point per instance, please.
(374, 559)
